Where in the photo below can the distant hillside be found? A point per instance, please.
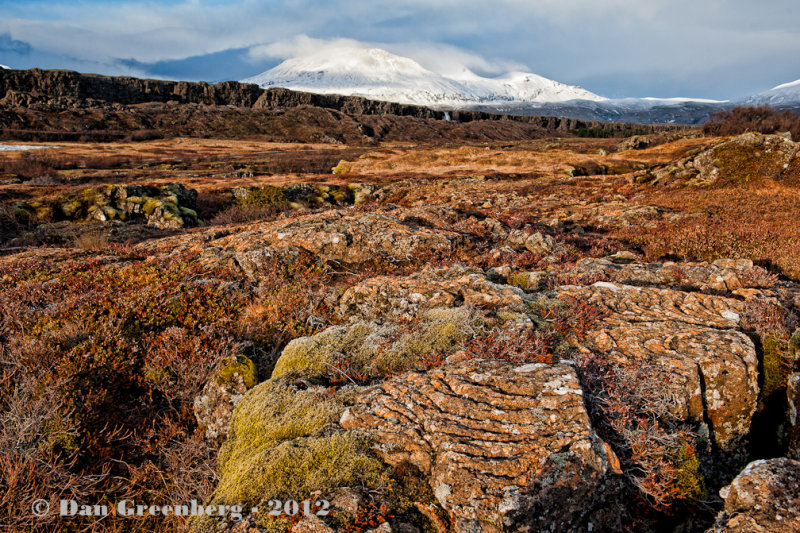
(64, 105)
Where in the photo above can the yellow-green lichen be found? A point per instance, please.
(277, 448)
(237, 369)
(689, 480)
(370, 350)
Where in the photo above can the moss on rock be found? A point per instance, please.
(342, 168)
(371, 350)
(266, 196)
(238, 368)
(283, 443)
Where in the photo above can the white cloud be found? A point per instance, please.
(567, 40)
(440, 58)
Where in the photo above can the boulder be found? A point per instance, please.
(506, 448)
(395, 298)
(692, 338)
(345, 236)
(763, 498)
(536, 243)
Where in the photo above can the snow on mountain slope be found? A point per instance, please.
(787, 94)
(5, 67)
(380, 75)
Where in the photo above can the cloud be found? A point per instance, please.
(7, 44)
(437, 57)
(622, 46)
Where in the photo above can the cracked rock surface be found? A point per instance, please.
(506, 447)
(693, 337)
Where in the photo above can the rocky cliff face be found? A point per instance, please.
(137, 104)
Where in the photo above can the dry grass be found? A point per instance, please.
(758, 224)
(91, 240)
(465, 160)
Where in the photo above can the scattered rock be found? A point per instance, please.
(764, 498)
(536, 243)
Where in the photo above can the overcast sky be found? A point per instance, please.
(699, 48)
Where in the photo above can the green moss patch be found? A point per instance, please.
(267, 196)
(283, 443)
(368, 350)
(241, 368)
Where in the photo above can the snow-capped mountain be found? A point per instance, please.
(379, 75)
(786, 95)
(5, 67)
(373, 73)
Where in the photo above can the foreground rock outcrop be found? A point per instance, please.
(506, 448)
(710, 370)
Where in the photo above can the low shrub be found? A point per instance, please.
(241, 214)
(761, 119)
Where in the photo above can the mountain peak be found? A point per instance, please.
(381, 75)
(784, 95)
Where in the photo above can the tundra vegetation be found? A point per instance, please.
(280, 285)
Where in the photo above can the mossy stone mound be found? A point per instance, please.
(369, 350)
(285, 443)
(166, 206)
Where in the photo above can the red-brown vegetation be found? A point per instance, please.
(761, 119)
